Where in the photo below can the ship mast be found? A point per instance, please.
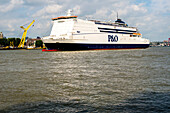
(69, 12)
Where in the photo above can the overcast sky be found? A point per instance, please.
(151, 17)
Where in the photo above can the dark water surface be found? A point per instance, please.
(85, 81)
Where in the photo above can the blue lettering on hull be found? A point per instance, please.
(112, 38)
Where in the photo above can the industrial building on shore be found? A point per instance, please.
(1, 35)
(165, 43)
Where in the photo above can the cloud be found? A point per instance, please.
(77, 10)
(50, 9)
(139, 8)
(160, 6)
(151, 17)
(11, 5)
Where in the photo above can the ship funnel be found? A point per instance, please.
(69, 12)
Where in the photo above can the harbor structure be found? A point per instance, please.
(21, 45)
(164, 43)
(11, 45)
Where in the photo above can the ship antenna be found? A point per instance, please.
(117, 15)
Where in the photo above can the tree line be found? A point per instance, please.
(6, 42)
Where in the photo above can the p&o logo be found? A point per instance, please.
(112, 38)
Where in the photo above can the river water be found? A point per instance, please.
(85, 81)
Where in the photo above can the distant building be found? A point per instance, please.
(31, 42)
(1, 35)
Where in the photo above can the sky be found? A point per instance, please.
(151, 17)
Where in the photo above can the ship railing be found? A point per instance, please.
(111, 24)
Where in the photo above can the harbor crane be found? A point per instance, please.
(21, 44)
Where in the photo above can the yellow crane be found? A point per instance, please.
(11, 44)
(21, 44)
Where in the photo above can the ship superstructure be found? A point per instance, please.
(70, 33)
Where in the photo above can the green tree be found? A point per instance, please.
(39, 43)
(3, 42)
(17, 41)
(10, 40)
(158, 43)
(151, 43)
(6, 42)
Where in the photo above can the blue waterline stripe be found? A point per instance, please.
(79, 46)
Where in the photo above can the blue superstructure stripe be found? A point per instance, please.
(115, 32)
(116, 29)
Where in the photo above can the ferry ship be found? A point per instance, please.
(70, 34)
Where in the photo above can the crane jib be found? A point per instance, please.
(24, 34)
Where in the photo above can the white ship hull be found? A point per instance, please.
(70, 33)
